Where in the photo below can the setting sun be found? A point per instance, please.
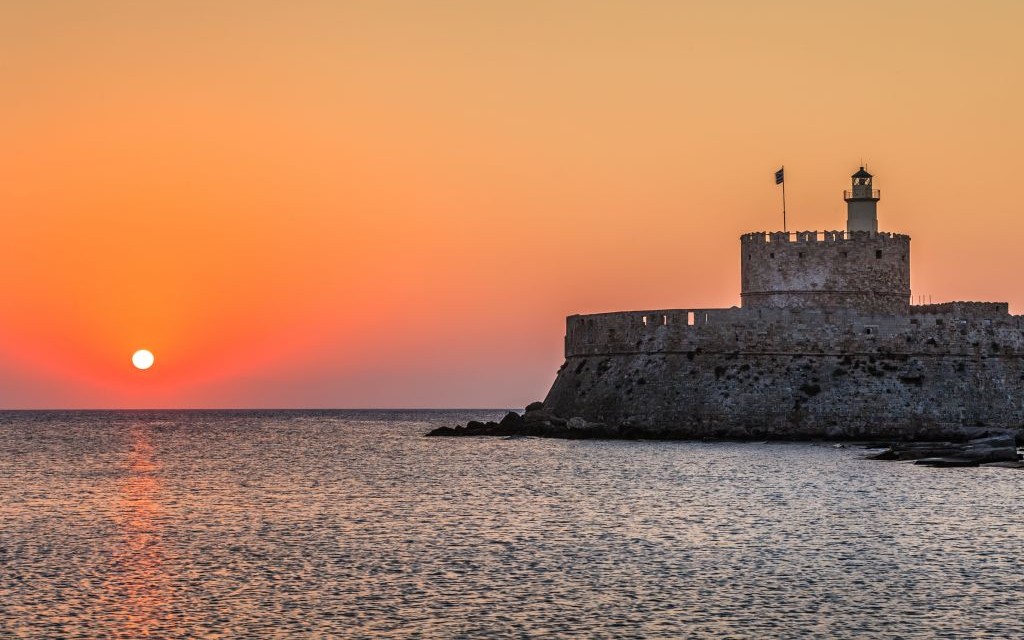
(327, 195)
(142, 359)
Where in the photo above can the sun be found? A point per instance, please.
(142, 359)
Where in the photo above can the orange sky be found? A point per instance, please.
(395, 204)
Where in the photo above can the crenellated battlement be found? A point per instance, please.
(806, 237)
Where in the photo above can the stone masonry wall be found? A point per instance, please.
(826, 269)
(796, 373)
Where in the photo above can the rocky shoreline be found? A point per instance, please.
(979, 447)
(543, 423)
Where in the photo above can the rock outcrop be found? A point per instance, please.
(538, 422)
(1001, 448)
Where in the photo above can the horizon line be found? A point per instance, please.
(30, 409)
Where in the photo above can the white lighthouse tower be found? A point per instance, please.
(861, 204)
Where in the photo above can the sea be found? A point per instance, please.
(352, 524)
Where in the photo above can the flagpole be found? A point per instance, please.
(784, 198)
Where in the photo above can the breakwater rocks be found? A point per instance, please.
(542, 423)
(977, 447)
(971, 444)
(999, 450)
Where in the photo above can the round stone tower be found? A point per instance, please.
(859, 269)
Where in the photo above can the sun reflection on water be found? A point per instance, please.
(139, 588)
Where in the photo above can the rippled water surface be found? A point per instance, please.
(351, 524)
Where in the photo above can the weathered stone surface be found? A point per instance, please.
(534, 406)
(938, 372)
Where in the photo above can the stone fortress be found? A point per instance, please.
(826, 344)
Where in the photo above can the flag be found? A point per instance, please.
(779, 177)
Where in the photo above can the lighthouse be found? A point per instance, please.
(861, 204)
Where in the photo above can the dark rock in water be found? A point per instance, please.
(888, 454)
(1005, 465)
(545, 417)
(539, 415)
(511, 419)
(534, 406)
(512, 424)
(947, 462)
(998, 448)
(538, 423)
(1001, 448)
(918, 450)
(544, 423)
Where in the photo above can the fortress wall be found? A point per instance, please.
(794, 396)
(771, 373)
(826, 269)
(986, 328)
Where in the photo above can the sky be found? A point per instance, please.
(396, 204)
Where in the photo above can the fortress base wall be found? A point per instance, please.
(790, 375)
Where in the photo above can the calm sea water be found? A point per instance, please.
(351, 524)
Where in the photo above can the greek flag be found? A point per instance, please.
(779, 177)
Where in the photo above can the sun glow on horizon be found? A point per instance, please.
(327, 204)
(143, 359)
